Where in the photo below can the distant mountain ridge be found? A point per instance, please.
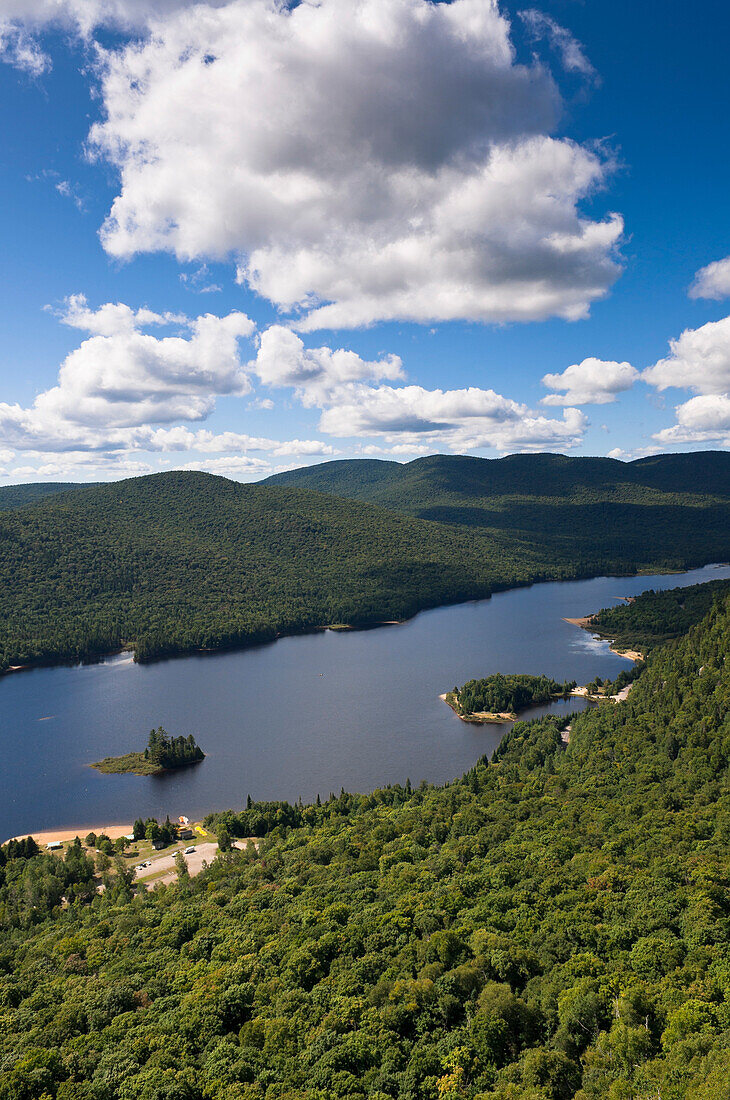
(561, 507)
(705, 473)
(181, 561)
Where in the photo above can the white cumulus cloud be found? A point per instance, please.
(703, 419)
(591, 382)
(121, 377)
(364, 160)
(283, 360)
(699, 360)
(712, 281)
(465, 419)
(112, 318)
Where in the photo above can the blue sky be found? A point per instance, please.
(359, 229)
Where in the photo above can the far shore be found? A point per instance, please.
(47, 836)
(494, 590)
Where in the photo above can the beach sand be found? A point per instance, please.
(48, 835)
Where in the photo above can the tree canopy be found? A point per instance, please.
(553, 925)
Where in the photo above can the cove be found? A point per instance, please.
(304, 716)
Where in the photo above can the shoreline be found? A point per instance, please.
(495, 589)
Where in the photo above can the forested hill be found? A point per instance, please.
(179, 561)
(555, 925)
(16, 496)
(565, 508)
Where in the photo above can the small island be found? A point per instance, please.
(163, 754)
(500, 698)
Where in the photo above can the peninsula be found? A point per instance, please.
(641, 623)
(500, 698)
(163, 754)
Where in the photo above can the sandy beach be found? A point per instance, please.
(481, 717)
(48, 835)
(629, 654)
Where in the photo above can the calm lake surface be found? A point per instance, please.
(303, 716)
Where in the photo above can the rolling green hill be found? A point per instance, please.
(180, 561)
(553, 926)
(16, 496)
(579, 508)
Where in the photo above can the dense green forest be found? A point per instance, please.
(163, 753)
(512, 693)
(553, 925)
(181, 561)
(16, 496)
(576, 509)
(656, 617)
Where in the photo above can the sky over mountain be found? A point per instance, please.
(242, 235)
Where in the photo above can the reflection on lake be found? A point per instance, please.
(303, 716)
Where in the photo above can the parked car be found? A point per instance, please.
(189, 850)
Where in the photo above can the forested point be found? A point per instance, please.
(554, 925)
(183, 562)
(501, 693)
(656, 617)
(163, 753)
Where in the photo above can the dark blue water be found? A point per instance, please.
(303, 716)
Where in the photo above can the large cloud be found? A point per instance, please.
(365, 159)
(123, 378)
(699, 360)
(466, 419)
(592, 382)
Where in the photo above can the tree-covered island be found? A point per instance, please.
(163, 754)
(500, 698)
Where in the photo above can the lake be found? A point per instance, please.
(303, 716)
